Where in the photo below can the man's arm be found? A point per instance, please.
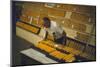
(46, 34)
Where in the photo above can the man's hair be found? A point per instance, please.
(46, 21)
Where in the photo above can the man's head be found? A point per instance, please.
(46, 22)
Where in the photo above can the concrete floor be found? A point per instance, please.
(18, 44)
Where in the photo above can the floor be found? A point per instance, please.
(18, 44)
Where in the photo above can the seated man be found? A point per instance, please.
(52, 28)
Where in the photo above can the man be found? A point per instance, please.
(55, 30)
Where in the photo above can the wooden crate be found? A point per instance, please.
(24, 18)
(84, 9)
(57, 54)
(48, 42)
(28, 27)
(55, 12)
(31, 10)
(67, 7)
(67, 23)
(69, 58)
(74, 48)
(82, 37)
(89, 53)
(74, 25)
(45, 47)
(80, 17)
(79, 27)
(33, 4)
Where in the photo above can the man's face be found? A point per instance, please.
(46, 24)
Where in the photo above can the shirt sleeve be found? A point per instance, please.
(59, 28)
(43, 33)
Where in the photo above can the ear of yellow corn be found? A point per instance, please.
(45, 47)
(27, 27)
(58, 54)
(69, 58)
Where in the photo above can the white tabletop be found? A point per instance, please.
(38, 56)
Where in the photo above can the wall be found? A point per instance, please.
(77, 20)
